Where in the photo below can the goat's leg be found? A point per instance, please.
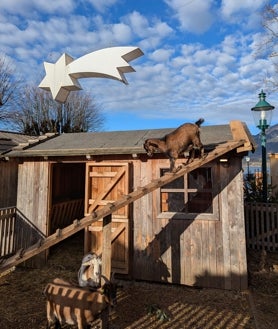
(172, 164)
(197, 144)
(51, 318)
(174, 169)
(202, 152)
(191, 155)
(104, 316)
(57, 325)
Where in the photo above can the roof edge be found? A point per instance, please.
(240, 131)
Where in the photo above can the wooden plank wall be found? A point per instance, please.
(206, 253)
(8, 174)
(32, 198)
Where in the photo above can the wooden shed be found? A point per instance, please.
(189, 231)
(9, 169)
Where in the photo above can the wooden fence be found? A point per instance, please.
(261, 226)
(64, 213)
(16, 232)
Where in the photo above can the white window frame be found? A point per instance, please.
(215, 215)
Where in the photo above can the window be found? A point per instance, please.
(200, 191)
(190, 196)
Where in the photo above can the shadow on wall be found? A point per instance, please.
(179, 256)
(150, 259)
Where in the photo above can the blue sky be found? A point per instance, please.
(201, 58)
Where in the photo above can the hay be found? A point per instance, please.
(143, 305)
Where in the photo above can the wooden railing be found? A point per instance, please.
(7, 225)
(64, 213)
(16, 232)
(261, 226)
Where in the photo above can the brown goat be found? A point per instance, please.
(69, 304)
(184, 138)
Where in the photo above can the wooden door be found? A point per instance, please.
(105, 183)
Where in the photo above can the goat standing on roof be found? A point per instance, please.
(184, 138)
(89, 274)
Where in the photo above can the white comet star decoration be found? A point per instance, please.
(62, 77)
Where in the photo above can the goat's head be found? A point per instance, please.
(92, 259)
(90, 270)
(150, 147)
(109, 289)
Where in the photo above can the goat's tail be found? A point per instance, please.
(199, 122)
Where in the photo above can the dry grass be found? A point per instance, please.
(144, 305)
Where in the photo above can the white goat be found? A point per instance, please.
(89, 273)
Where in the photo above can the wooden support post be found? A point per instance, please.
(106, 246)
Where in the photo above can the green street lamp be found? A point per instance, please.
(262, 113)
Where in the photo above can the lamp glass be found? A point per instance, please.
(262, 118)
(262, 112)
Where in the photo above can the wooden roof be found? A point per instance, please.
(8, 140)
(124, 142)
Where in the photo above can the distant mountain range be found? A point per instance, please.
(271, 143)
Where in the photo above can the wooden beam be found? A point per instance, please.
(114, 235)
(106, 247)
(241, 132)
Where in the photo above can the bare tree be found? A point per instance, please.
(9, 87)
(270, 24)
(270, 44)
(38, 113)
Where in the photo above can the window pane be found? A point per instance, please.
(196, 198)
(172, 194)
(200, 201)
(176, 184)
(173, 201)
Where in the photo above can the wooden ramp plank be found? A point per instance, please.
(77, 226)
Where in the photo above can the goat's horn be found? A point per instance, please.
(105, 278)
(89, 262)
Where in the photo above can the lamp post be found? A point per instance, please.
(248, 168)
(262, 113)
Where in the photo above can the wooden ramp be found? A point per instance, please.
(105, 213)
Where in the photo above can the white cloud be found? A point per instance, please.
(138, 23)
(193, 15)
(29, 8)
(161, 55)
(151, 33)
(144, 28)
(247, 13)
(102, 5)
(122, 33)
(232, 7)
